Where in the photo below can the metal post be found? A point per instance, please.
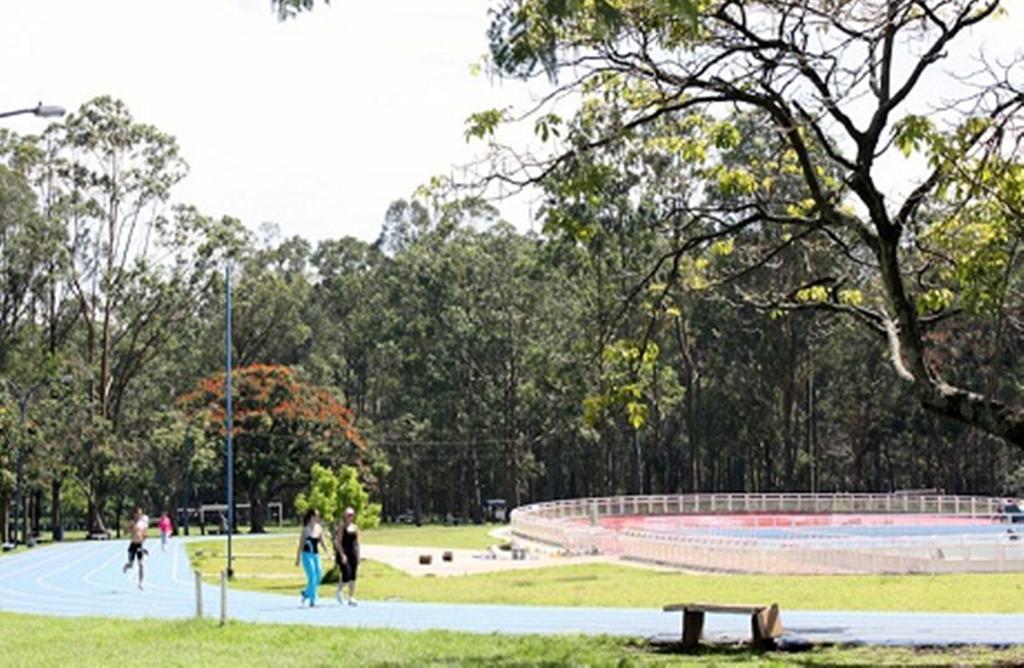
(230, 422)
(199, 595)
(223, 597)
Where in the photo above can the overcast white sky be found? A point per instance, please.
(315, 124)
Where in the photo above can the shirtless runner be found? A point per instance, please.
(137, 530)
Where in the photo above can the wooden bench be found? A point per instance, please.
(765, 624)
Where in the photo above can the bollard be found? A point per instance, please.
(199, 595)
(223, 598)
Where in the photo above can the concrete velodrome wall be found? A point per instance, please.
(575, 525)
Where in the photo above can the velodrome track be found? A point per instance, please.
(76, 579)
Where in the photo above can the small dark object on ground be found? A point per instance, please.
(426, 559)
(447, 556)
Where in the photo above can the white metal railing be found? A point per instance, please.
(575, 525)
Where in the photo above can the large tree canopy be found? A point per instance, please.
(788, 119)
(281, 426)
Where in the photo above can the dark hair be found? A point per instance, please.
(308, 516)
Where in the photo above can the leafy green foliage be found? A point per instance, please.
(331, 493)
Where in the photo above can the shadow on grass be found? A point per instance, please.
(733, 653)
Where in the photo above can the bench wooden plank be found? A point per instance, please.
(713, 607)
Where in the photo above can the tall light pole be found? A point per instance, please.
(229, 418)
(41, 110)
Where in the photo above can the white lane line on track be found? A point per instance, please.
(41, 580)
(87, 578)
(28, 563)
(85, 602)
(150, 582)
(124, 603)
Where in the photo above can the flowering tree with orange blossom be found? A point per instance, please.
(282, 426)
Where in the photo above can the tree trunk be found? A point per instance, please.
(37, 511)
(908, 356)
(257, 514)
(95, 512)
(56, 527)
(5, 519)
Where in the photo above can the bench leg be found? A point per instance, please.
(693, 626)
(765, 626)
(757, 629)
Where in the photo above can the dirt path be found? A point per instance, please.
(473, 562)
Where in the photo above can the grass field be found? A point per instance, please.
(50, 641)
(269, 565)
(469, 537)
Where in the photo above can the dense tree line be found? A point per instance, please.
(703, 311)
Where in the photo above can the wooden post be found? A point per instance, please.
(223, 598)
(693, 626)
(199, 595)
(766, 626)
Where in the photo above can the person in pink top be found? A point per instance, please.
(166, 527)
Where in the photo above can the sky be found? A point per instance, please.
(315, 124)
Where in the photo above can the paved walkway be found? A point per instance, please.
(86, 579)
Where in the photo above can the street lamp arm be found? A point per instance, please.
(41, 110)
(17, 112)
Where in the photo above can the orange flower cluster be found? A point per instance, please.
(270, 400)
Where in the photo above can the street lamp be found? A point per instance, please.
(41, 110)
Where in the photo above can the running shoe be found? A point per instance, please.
(352, 601)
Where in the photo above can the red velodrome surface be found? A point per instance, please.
(755, 520)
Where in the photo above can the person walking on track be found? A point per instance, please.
(309, 554)
(166, 527)
(346, 542)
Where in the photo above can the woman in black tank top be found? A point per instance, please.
(309, 554)
(346, 542)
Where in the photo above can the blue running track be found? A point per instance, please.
(86, 579)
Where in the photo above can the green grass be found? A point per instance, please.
(468, 537)
(269, 565)
(49, 641)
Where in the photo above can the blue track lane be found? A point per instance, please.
(85, 579)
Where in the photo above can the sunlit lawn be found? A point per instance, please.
(269, 565)
(29, 640)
